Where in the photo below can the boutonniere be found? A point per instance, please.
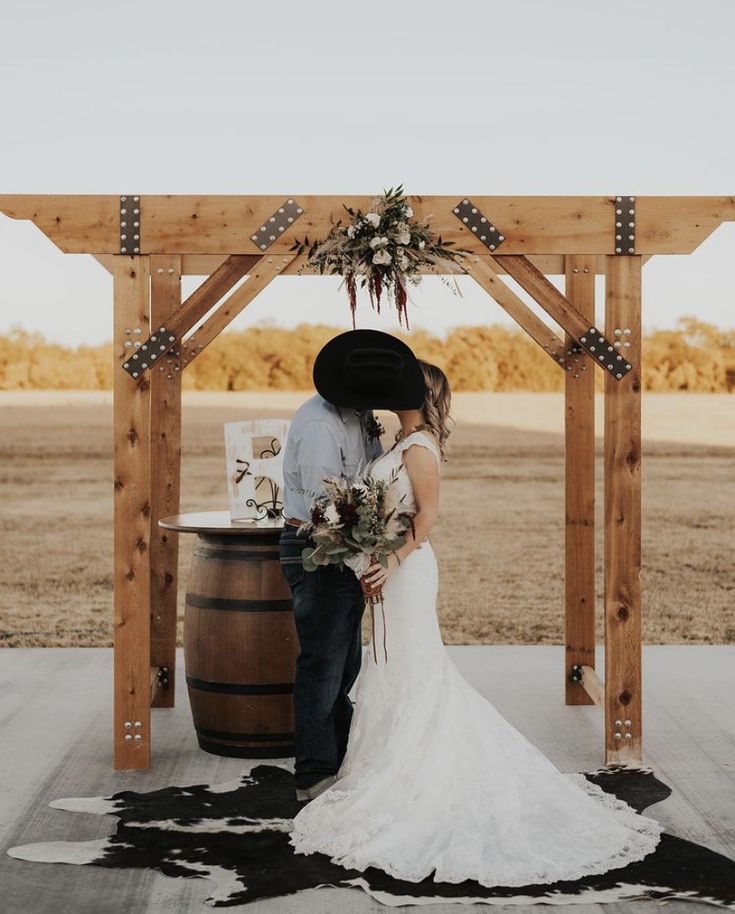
(374, 429)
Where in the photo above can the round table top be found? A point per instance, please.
(217, 522)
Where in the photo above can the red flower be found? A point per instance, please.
(347, 513)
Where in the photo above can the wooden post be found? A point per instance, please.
(131, 573)
(623, 711)
(165, 381)
(579, 491)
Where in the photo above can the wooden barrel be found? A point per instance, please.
(240, 645)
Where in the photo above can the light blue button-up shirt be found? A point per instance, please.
(323, 440)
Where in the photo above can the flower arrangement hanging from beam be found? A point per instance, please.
(382, 250)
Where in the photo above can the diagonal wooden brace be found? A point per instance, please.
(560, 309)
(192, 310)
(480, 269)
(262, 275)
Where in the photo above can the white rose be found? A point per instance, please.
(331, 515)
(402, 260)
(403, 237)
(351, 231)
(381, 256)
(373, 219)
(378, 242)
(409, 212)
(358, 563)
(422, 245)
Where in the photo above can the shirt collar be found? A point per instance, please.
(346, 413)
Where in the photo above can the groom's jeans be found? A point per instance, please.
(328, 607)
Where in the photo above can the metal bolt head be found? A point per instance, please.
(618, 736)
(138, 725)
(128, 737)
(627, 723)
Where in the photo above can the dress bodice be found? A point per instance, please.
(386, 464)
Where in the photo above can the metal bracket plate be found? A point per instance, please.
(470, 216)
(625, 225)
(276, 225)
(130, 208)
(602, 351)
(149, 352)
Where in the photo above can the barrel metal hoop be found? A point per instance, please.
(240, 606)
(232, 750)
(235, 555)
(253, 737)
(240, 688)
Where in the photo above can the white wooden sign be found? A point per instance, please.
(254, 455)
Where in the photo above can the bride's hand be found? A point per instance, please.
(376, 575)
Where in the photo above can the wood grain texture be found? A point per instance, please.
(545, 293)
(221, 224)
(132, 510)
(622, 533)
(486, 275)
(259, 277)
(206, 296)
(579, 488)
(239, 633)
(165, 381)
(204, 264)
(593, 686)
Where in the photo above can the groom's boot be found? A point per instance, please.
(304, 794)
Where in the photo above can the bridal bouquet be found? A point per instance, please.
(356, 523)
(384, 248)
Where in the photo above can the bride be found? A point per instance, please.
(435, 781)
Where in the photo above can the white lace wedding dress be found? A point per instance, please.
(437, 781)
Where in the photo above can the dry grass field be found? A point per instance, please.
(499, 542)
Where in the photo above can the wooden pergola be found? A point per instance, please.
(148, 242)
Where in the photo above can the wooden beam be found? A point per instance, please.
(558, 306)
(554, 302)
(203, 298)
(622, 539)
(593, 686)
(132, 508)
(204, 264)
(579, 489)
(218, 224)
(486, 276)
(165, 381)
(261, 276)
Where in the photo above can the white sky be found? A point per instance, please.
(518, 97)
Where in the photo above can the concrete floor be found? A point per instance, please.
(55, 739)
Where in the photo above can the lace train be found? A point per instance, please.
(436, 782)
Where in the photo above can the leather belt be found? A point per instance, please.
(293, 521)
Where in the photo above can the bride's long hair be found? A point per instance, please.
(437, 403)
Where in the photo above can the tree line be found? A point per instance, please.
(695, 356)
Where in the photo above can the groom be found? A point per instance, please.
(331, 434)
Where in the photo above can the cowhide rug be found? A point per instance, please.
(235, 834)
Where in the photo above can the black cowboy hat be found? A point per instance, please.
(369, 369)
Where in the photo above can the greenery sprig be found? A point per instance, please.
(383, 249)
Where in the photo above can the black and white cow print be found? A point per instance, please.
(235, 834)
